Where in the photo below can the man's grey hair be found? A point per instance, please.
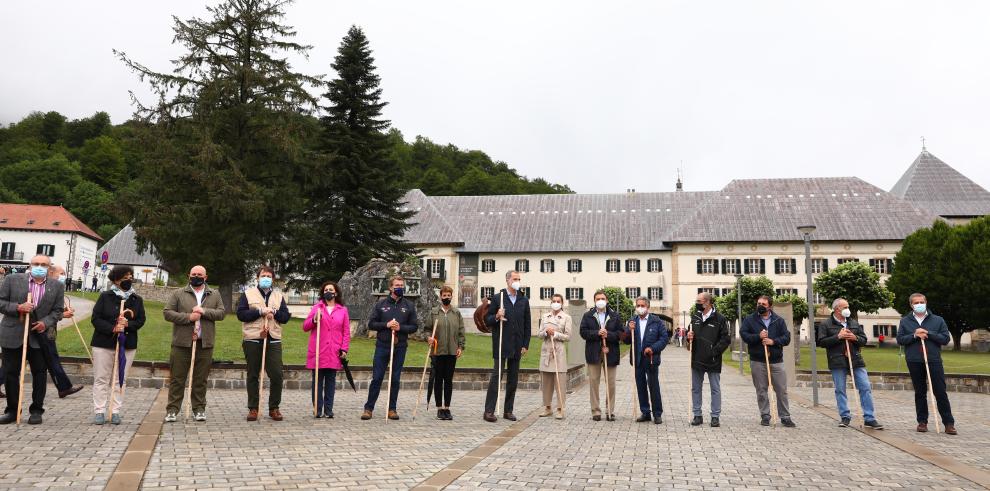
(508, 274)
(835, 303)
(641, 297)
(708, 297)
(916, 295)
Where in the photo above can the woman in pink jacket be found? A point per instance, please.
(335, 340)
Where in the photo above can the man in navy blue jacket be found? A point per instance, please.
(514, 337)
(766, 328)
(598, 325)
(393, 318)
(648, 336)
(917, 328)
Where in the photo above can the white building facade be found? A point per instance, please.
(27, 230)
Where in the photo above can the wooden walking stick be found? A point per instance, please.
(771, 394)
(426, 363)
(24, 352)
(316, 361)
(391, 356)
(501, 341)
(928, 373)
(82, 340)
(852, 375)
(113, 374)
(264, 352)
(632, 356)
(189, 378)
(556, 374)
(608, 407)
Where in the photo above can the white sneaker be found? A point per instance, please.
(171, 417)
(199, 416)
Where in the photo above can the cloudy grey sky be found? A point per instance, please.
(601, 96)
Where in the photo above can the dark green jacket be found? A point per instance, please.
(450, 330)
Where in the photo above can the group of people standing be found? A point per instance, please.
(33, 300)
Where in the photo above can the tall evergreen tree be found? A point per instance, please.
(353, 205)
(224, 143)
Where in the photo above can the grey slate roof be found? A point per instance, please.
(122, 249)
(935, 186)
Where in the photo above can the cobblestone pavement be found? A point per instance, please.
(67, 451)
(581, 453)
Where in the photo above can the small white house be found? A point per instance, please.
(26, 230)
(121, 249)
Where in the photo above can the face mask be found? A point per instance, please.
(196, 281)
(700, 307)
(846, 313)
(265, 282)
(761, 310)
(61, 279)
(399, 291)
(600, 304)
(555, 306)
(516, 285)
(641, 310)
(39, 271)
(446, 301)
(126, 285)
(328, 296)
(920, 308)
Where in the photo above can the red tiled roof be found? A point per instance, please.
(43, 217)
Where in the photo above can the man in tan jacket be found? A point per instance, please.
(193, 312)
(262, 311)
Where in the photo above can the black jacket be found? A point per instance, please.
(104, 319)
(402, 311)
(517, 325)
(750, 332)
(938, 336)
(828, 337)
(593, 342)
(711, 338)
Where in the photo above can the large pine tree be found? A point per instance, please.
(353, 204)
(224, 143)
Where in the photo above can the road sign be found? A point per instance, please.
(103, 268)
(86, 265)
(105, 257)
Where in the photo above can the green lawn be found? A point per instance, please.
(887, 359)
(155, 340)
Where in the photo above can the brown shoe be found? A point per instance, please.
(275, 414)
(252, 415)
(922, 427)
(950, 430)
(509, 416)
(68, 392)
(490, 417)
(366, 415)
(393, 415)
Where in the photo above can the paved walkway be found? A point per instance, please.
(227, 452)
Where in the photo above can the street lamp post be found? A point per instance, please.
(806, 230)
(739, 318)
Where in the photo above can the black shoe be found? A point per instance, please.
(696, 421)
(715, 423)
(596, 417)
(440, 414)
(643, 419)
(509, 416)
(34, 419)
(788, 423)
(844, 423)
(657, 420)
(874, 425)
(447, 415)
(62, 394)
(7, 418)
(610, 417)
(765, 420)
(328, 415)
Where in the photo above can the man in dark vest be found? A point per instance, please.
(510, 308)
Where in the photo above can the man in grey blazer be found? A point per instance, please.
(44, 311)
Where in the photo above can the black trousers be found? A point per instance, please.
(443, 372)
(39, 375)
(920, 381)
(511, 381)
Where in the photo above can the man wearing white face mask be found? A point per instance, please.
(513, 336)
(598, 324)
(917, 327)
(834, 334)
(555, 325)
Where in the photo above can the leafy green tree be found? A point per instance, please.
(856, 282)
(45, 182)
(51, 127)
(753, 287)
(102, 162)
(92, 204)
(225, 144)
(353, 206)
(78, 131)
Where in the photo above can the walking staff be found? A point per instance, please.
(24, 351)
(774, 415)
(82, 340)
(931, 391)
(264, 354)
(426, 364)
(114, 376)
(192, 366)
(316, 364)
(501, 341)
(859, 399)
(391, 357)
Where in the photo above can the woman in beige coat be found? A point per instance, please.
(553, 365)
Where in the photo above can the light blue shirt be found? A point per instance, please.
(601, 318)
(512, 298)
(766, 322)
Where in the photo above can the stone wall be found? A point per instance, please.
(232, 376)
(902, 381)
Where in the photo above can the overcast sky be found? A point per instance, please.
(601, 96)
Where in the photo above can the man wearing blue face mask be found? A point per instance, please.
(921, 327)
(263, 311)
(52, 360)
(394, 319)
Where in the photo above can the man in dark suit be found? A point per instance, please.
(601, 325)
(512, 309)
(44, 311)
(648, 337)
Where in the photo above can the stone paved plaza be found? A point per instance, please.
(227, 452)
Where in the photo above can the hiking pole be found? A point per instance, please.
(79, 332)
(501, 341)
(264, 352)
(426, 363)
(852, 375)
(771, 394)
(391, 356)
(113, 374)
(928, 373)
(556, 374)
(316, 361)
(24, 352)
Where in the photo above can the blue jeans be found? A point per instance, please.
(379, 370)
(715, 385)
(862, 380)
(325, 388)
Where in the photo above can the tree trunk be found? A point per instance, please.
(956, 339)
(227, 296)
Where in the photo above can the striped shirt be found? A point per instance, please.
(37, 289)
